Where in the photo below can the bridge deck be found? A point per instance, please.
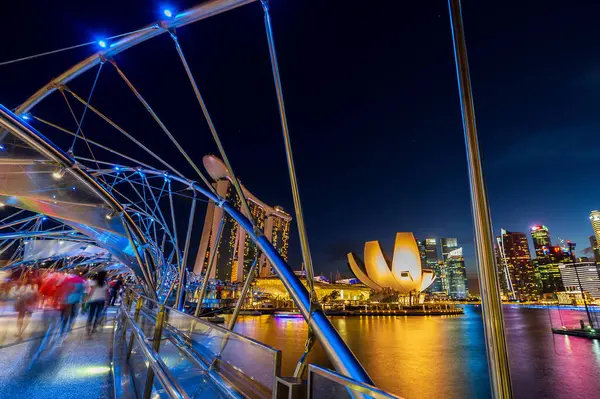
(73, 366)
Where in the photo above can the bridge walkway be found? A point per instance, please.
(74, 365)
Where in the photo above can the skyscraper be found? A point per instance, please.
(503, 272)
(541, 240)
(456, 275)
(595, 219)
(277, 226)
(547, 259)
(422, 254)
(236, 251)
(521, 271)
(595, 248)
(432, 261)
(448, 245)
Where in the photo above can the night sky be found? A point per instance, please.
(371, 96)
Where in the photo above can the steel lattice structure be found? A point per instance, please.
(84, 190)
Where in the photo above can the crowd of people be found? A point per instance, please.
(67, 293)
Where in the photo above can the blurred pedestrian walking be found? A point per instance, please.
(96, 301)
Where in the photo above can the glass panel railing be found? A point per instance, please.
(138, 369)
(193, 348)
(327, 384)
(247, 364)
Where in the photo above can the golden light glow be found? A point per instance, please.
(352, 261)
(404, 274)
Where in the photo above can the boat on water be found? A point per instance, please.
(287, 315)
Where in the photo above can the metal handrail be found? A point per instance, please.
(170, 384)
(349, 383)
(211, 325)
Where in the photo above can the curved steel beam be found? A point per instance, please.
(15, 125)
(337, 351)
(27, 234)
(194, 14)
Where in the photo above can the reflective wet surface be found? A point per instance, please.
(444, 356)
(49, 363)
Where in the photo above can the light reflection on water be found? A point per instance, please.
(444, 356)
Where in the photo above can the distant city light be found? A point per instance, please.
(168, 13)
(102, 43)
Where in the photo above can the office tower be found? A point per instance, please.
(448, 245)
(541, 240)
(595, 248)
(547, 259)
(456, 275)
(433, 262)
(595, 219)
(236, 252)
(503, 273)
(422, 254)
(585, 273)
(454, 266)
(521, 271)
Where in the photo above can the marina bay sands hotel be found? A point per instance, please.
(235, 251)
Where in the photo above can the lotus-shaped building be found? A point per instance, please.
(403, 274)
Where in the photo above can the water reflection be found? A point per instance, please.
(425, 357)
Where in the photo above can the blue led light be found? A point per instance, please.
(168, 13)
(26, 117)
(102, 43)
(2, 148)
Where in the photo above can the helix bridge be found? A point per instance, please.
(88, 189)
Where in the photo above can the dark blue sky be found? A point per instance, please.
(372, 104)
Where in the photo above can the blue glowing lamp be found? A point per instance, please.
(102, 43)
(168, 13)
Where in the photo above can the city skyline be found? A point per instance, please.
(109, 199)
(583, 250)
(368, 106)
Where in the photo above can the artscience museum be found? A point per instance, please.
(403, 274)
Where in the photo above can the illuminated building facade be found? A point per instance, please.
(236, 252)
(506, 287)
(433, 262)
(586, 273)
(541, 240)
(454, 267)
(273, 288)
(595, 220)
(595, 248)
(517, 259)
(277, 227)
(403, 274)
(547, 260)
(422, 254)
